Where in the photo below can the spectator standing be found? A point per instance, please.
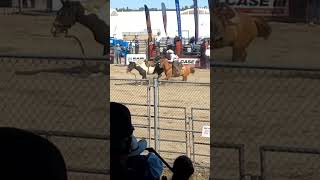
(136, 44)
(169, 43)
(178, 46)
(203, 49)
(117, 54)
(158, 39)
(192, 43)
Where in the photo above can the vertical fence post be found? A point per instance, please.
(186, 131)
(192, 136)
(156, 103)
(262, 163)
(241, 162)
(149, 110)
(189, 134)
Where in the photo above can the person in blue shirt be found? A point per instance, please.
(117, 52)
(127, 162)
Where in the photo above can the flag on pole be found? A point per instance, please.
(196, 19)
(164, 17)
(148, 22)
(178, 18)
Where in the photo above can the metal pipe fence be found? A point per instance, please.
(281, 149)
(194, 119)
(240, 151)
(59, 100)
(160, 115)
(268, 107)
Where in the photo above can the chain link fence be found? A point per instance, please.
(258, 107)
(63, 101)
(171, 108)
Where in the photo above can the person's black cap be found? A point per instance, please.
(120, 117)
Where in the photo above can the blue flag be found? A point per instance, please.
(196, 19)
(178, 19)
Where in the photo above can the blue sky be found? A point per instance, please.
(135, 4)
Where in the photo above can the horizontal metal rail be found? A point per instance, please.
(200, 143)
(48, 134)
(200, 120)
(245, 66)
(71, 134)
(206, 155)
(282, 149)
(88, 171)
(55, 57)
(123, 79)
(173, 152)
(183, 82)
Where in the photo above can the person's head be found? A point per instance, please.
(121, 129)
(25, 155)
(182, 168)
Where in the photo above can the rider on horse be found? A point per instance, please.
(175, 64)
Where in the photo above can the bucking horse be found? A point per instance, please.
(73, 12)
(235, 29)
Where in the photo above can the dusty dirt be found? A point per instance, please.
(176, 100)
(265, 107)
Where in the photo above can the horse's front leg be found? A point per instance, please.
(168, 75)
(184, 78)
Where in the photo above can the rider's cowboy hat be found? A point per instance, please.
(170, 51)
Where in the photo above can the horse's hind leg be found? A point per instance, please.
(239, 54)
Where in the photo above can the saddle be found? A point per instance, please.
(176, 68)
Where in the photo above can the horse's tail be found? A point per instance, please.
(264, 29)
(192, 70)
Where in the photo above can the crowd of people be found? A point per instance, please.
(127, 158)
(173, 49)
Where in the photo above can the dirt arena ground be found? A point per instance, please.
(179, 99)
(263, 107)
